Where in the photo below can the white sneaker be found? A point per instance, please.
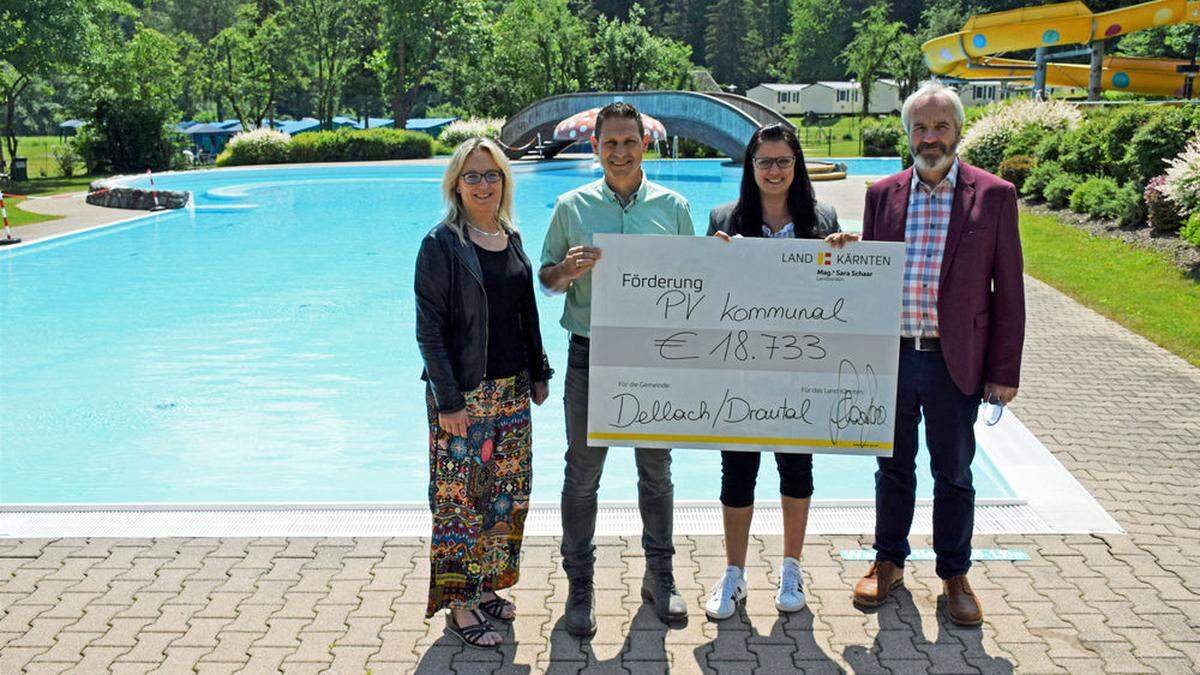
(726, 593)
(790, 597)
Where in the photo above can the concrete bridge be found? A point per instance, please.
(724, 121)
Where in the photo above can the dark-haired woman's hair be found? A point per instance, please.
(747, 216)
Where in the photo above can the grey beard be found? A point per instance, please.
(924, 165)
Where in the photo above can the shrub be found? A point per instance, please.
(1025, 141)
(1181, 183)
(1059, 189)
(1102, 197)
(1191, 231)
(67, 159)
(1081, 151)
(1158, 140)
(881, 137)
(1050, 148)
(89, 145)
(259, 146)
(1118, 132)
(690, 149)
(131, 137)
(460, 130)
(381, 144)
(1039, 176)
(1016, 169)
(1160, 211)
(985, 141)
(351, 145)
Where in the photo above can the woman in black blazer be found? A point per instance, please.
(776, 201)
(477, 329)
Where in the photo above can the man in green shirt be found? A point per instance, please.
(623, 202)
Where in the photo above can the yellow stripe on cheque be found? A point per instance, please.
(743, 440)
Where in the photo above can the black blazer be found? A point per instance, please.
(827, 221)
(452, 324)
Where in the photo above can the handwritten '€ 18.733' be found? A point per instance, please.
(741, 345)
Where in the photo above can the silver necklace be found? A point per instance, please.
(485, 233)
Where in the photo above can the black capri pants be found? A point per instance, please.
(739, 473)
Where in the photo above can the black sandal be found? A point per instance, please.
(470, 635)
(496, 606)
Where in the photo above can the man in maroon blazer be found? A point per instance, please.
(962, 330)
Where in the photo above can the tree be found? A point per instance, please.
(872, 50)
(774, 22)
(416, 36)
(39, 38)
(252, 63)
(943, 17)
(733, 45)
(819, 31)
(202, 19)
(909, 67)
(628, 57)
(194, 88)
(541, 49)
(326, 34)
(132, 105)
(1164, 42)
(361, 90)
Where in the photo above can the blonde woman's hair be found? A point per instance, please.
(456, 213)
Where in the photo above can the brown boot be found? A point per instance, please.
(873, 589)
(961, 603)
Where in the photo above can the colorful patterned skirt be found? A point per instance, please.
(479, 495)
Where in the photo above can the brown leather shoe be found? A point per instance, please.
(881, 578)
(961, 603)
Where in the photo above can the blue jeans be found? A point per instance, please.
(585, 463)
(925, 386)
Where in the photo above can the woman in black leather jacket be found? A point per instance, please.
(477, 328)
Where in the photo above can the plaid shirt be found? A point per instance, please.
(924, 245)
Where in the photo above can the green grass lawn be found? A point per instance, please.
(43, 187)
(17, 217)
(45, 178)
(840, 147)
(1139, 289)
(40, 152)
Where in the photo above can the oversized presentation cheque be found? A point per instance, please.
(758, 344)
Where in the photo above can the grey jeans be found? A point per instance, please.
(585, 463)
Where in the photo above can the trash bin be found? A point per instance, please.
(20, 169)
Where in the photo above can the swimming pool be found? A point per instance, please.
(260, 348)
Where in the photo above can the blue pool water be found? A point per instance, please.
(261, 348)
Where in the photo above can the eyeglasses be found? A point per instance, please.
(473, 177)
(764, 163)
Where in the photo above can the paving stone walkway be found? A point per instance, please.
(1120, 413)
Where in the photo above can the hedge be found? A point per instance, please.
(341, 145)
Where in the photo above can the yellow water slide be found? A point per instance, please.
(968, 54)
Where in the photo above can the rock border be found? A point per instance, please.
(111, 193)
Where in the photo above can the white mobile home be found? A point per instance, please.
(983, 92)
(834, 98)
(885, 97)
(785, 99)
(827, 98)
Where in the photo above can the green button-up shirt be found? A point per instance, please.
(595, 208)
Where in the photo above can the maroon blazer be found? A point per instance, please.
(981, 296)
